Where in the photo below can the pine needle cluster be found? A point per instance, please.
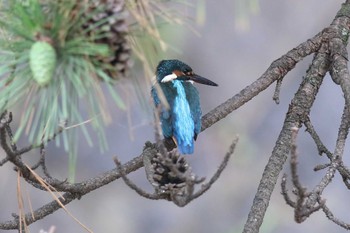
(59, 59)
(51, 58)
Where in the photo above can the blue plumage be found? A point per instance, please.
(182, 121)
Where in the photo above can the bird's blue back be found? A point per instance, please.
(183, 120)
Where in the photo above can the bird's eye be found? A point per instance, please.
(187, 72)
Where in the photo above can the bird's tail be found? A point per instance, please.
(185, 148)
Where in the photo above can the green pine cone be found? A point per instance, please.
(42, 61)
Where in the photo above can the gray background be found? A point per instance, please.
(233, 57)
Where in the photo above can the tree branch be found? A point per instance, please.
(277, 70)
(298, 112)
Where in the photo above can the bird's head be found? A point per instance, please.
(169, 70)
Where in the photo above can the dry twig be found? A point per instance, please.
(172, 177)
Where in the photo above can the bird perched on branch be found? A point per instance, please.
(181, 121)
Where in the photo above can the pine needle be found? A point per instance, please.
(21, 211)
(49, 188)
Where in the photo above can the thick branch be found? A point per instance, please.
(277, 70)
(298, 112)
(85, 187)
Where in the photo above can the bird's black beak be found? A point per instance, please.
(198, 79)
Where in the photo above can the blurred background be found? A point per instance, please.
(237, 42)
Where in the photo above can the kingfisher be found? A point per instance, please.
(181, 122)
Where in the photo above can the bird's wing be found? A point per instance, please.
(165, 115)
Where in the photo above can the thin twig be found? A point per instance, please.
(133, 186)
(337, 221)
(302, 210)
(276, 94)
(320, 146)
(218, 172)
(284, 192)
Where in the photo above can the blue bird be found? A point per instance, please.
(181, 123)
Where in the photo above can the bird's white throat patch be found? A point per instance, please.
(169, 78)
